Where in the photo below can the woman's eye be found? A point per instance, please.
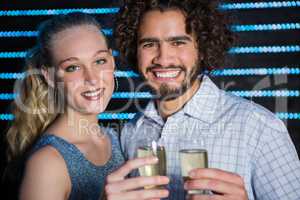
(72, 68)
(101, 61)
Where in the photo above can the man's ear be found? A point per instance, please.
(48, 74)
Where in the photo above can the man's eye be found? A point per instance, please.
(101, 61)
(148, 45)
(178, 43)
(72, 68)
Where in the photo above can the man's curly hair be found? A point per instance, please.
(210, 26)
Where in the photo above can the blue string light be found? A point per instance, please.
(255, 71)
(35, 33)
(57, 11)
(216, 72)
(147, 95)
(267, 93)
(16, 54)
(259, 5)
(22, 54)
(283, 115)
(127, 74)
(119, 116)
(127, 116)
(234, 50)
(265, 27)
(118, 74)
(265, 49)
(7, 96)
(223, 6)
(235, 28)
(6, 117)
(132, 95)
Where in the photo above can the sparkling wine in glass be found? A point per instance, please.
(191, 159)
(158, 169)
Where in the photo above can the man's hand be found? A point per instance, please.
(224, 185)
(118, 187)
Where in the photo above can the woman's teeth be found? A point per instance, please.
(93, 93)
(168, 74)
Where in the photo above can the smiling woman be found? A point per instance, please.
(69, 82)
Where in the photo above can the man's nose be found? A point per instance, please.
(164, 56)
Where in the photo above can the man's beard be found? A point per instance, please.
(167, 93)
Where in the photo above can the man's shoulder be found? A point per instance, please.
(251, 112)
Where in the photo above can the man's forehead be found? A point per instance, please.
(166, 24)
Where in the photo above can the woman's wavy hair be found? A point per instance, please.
(210, 26)
(32, 108)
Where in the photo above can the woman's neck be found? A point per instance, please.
(77, 126)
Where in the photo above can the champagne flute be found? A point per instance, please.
(158, 169)
(191, 159)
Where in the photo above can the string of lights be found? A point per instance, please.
(222, 6)
(148, 95)
(128, 116)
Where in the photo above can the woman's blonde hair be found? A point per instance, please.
(32, 107)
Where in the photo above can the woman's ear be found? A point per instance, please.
(112, 58)
(48, 74)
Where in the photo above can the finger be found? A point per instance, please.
(218, 186)
(135, 183)
(129, 166)
(139, 194)
(217, 174)
(205, 197)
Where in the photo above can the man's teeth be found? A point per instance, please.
(172, 74)
(92, 94)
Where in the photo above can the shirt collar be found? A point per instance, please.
(151, 113)
(203, 104)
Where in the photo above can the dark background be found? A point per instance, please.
(284, 81)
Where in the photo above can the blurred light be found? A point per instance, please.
(35, 33)
(119, 116)
(265, 27)
(234, 50)
(236, 28)
(283, 115)
(259, 5)
(265, 49)
(132, 95)
(255, 71)
(118, 74)
(22, 54)
(125, 74)
(39, 12)
(267, 93)
(148, 95)
(215, 72)
(128, 116)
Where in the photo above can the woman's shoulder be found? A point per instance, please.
(47, 158)
(45, 168)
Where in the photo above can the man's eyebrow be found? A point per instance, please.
(169, 39)
(144, 40)
(176, 38)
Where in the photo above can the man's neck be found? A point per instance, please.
(168, 108)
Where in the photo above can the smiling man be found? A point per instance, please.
(250, 153)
